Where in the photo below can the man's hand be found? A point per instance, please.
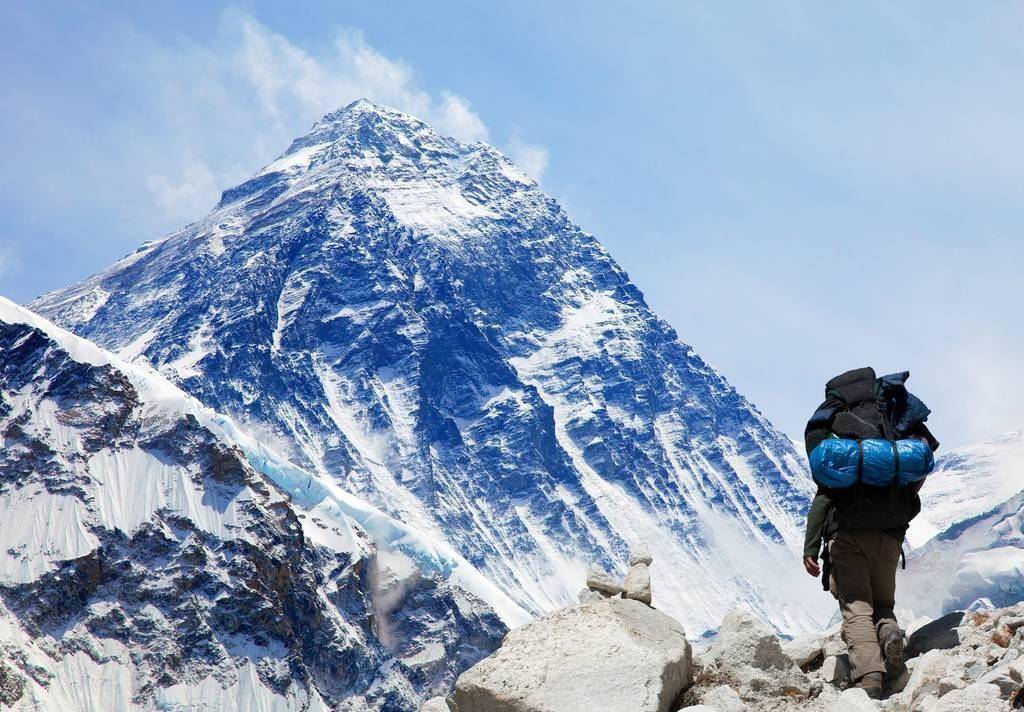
(811, 566)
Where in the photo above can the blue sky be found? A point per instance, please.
(798, 188)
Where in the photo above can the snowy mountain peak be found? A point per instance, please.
(365, 127)
(416, 320)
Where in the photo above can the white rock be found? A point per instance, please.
(1016, 669)
(748, 652)
(836, 670)
(853, 700)
(833, 644)
(435, 704)
(978, 697)
(640, 554)
(723, 699)
(615, 654)
(1001, 678)
(804, 650)
(638, 583)
(589, 596)
(699, 708)
(600, 580)
(930, 668)
(948, 683)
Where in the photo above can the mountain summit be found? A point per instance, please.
(413, 318)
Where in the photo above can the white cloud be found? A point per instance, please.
(186, 193)
(231, 106)
(530, 157)
(455, 118)
(291, 82)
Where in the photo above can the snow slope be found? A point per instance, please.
(413, 319)
(156, 555)
(967, 482)
(975, 501)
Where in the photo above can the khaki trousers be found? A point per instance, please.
(863, 580)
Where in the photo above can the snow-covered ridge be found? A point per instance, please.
(968, 482)
(969, 536)
(156, 555)
(306, 490)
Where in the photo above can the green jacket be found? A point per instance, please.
(817, 517)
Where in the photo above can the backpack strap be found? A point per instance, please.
(826, 568)
(860, 472)
(894, 488)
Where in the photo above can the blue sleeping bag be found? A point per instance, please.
(834, 462)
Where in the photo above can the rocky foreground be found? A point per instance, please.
(615, 653)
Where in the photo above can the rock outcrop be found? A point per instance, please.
(749, 655)
(618, 655)
(615, 654)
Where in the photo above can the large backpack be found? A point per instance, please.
(885, 409)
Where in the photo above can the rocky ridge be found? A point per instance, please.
(155, 558)
(585, 659)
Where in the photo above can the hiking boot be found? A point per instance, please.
(848, 425)
(892, 652)
(872, 684)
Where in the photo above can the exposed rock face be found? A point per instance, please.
(616, 654)
(435, 704)
(12, 686)
(148, 564)
(748, 652)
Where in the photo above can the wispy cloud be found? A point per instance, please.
(256, 83)
(292, 83)
(204, 116)
(531, 157)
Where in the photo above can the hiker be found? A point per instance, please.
(870, 452)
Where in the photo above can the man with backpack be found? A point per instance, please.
(869, 451)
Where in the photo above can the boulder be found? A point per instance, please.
(807, 651)
(948, 683)
(836, 671)
(436, 704)
(638, 583)
(1007, 628)
(1001, 678)
(748, 652)
(615, 654)
(1016, 670)
(924, 680)
(833, 643)
(640, 554)
(600, 580)
(853, 700)
(977, 697)
(590, 596)
(940, 634)
(723, 699)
